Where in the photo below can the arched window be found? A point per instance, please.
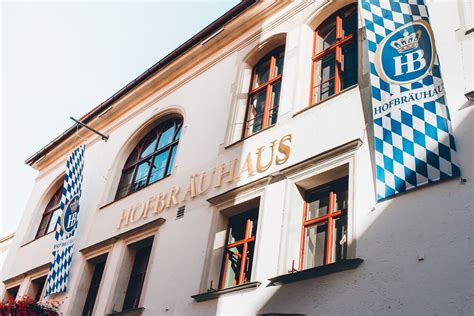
(152, 159)
(50, 214)
(264, 94)
(335, 54)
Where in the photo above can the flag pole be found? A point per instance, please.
(103, 136)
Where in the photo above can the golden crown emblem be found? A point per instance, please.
(74, 206)
(408, 42)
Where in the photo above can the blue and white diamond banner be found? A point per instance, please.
(67, 224)
(414, 144)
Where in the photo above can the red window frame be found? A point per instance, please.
(336, 48)
(330, 217)
(250, 223)
(53, 205)
(273, 79)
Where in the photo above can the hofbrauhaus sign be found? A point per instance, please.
(413, 140)
(276, 152)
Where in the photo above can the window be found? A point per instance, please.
(239, 249)
(152, 159)
(98, 266)
(137, 275)
(11, 293)
(324, 231)
(37, 287)
(334, 55)
(264, 94)
(50, 214)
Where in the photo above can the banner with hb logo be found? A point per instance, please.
(67, 224)
(414, 144)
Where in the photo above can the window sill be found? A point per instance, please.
(314, 105)
(36, 238)
(134, 311)
(216, 293)
(316, 272)
(241, 140)
(131, 193)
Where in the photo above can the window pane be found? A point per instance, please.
(55, 199)
(262, 70)
(173, 155)
(141, 176)
(341, 198)
(125, 183)
(232, 266)
(166, 136)
(133, 156)
(324, 71)
(349, 64)
(275, 103)
(43, 225)
(133, 292)
(137, 276)
(12, 292)
(326, 35)
(280, 56)
(136, 170)
(349, 21)
(93, 289)
(340, 239)
(238, 224)
(256, 111)
(149, 144)
(54, 218)
(248, 262)
(315, 245)
(39, 286)
(318, 204)
(178, 133)
(159, 166)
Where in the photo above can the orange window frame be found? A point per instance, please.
(329, 218)
(248, 238)
(273, 78)
(336, 48)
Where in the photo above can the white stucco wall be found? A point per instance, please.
(433, 222)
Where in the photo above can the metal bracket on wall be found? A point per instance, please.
(104, 137)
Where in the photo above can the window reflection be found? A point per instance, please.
(150, 160)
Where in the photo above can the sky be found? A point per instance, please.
(61, 59)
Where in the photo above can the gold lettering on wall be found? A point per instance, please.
(191, 191)
(160, 203)
(284, 149)
(230, 173)
(172, 197)
(201, 188)
(261, 168)
(247, 166)
(277, 152)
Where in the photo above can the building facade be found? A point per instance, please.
(238, 178)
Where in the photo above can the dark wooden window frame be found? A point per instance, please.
(178, 124)
(40, 282)
(273, 79)
(94, 285)
(248, 238)
(331, 215)
(12, 292)
(336, 48)
(48, 213)
(146, 245)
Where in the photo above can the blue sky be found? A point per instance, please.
(60, 59)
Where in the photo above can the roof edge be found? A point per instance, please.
(180, 50)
